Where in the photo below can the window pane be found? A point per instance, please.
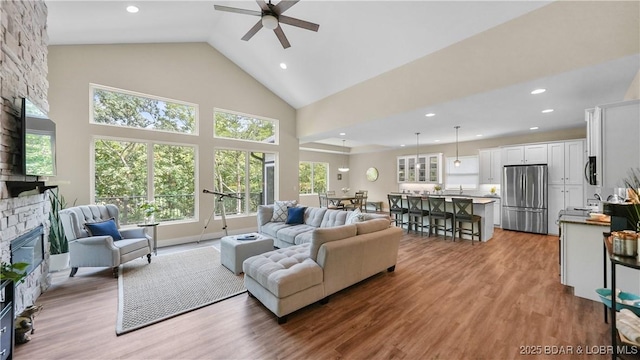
(125, 109)
(121, 177)
(304, 174)
(319, 177)
(230, 172)
(174, 182)
(244, 127)
(257, 179)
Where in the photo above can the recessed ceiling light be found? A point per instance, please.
(132, 9)
(402, 145)
(533, 128)
(283, 66)
(479, 135)
(343, 134)
(436, 140)
(547, 111)
(538, 91)
(430, 115)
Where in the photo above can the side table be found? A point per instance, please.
(155, 235)
(234, 252)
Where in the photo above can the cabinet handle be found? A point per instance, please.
(4, 351)
(3, 330)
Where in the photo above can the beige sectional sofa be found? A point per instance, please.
(336, 256)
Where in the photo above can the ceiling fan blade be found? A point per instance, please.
(236, 10)
(299, 23)
(252, 31)
(281, 37)
(263, 5)
(284, 5)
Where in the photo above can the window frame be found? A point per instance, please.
(150, 172)
(93, 86)
(276, 127)
(449, 165)
(311, 164)
(276, 157)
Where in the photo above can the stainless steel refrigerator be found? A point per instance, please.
(524, 198)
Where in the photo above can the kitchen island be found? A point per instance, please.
(582, 257)
(482, 206)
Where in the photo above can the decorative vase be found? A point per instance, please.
(149, 219)
(58, 262)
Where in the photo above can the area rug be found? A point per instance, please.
(171, 285)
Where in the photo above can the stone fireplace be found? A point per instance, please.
(23, 73)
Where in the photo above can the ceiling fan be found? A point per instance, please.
(271, 17)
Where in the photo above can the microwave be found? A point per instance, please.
(590, 171)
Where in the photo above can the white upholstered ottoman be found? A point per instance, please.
(234, 251)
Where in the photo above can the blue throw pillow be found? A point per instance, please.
(295, 215)
(102, 228)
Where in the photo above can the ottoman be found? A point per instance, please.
(234, 251)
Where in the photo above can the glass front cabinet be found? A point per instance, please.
(427, 168)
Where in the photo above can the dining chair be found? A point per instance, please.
(325, 203)
(356, 203)
(463, 213)
(334, 204)
(365, 198)
(397, 209)
(437, 213)
(417, 212)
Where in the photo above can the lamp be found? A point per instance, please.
(344, 168)
(270, 22)
(457, 162)
(417, 150)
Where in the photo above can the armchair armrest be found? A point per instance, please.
(134, 233)
(94, 251)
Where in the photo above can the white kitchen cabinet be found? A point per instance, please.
(524, 154)
(497, 213)
(490, 166)
(620, 145)
(427, 168)
(561, 197)
(582, 261)
(566, 162)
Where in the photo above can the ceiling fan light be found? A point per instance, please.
(270, 22)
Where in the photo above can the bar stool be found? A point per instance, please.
(437, 212)
(417, 213)
(463, 213)
(397, 209)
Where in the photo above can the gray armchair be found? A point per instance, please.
(98, 251)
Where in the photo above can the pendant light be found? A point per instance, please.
(344, 168)
(457, 162)
(417, 150)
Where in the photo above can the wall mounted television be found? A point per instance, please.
(38, 141)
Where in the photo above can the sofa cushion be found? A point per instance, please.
(280, 210)
(313, 216)
(104, 228)
(324, 235)
(354, 216)
(304, 237)
(284, 272)
(295, 215)
(369, 226)
(334, 218)
(272, 228)
(288, 234)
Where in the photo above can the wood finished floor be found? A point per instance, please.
(445, 300)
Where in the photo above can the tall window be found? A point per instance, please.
(126, 108)
(247, 174)
(465, 175)
(233, 125)
(313, 177)
(128, 173)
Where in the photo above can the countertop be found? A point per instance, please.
(481, 200)
(579, 217)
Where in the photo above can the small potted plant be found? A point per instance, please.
(493, 190)
(58, 244)
(149, 209)
(14, 272)
(437, 189)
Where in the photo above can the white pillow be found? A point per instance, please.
(280, 210)
(354, 216)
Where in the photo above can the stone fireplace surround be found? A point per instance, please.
(23, 73)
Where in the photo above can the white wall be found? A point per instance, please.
(191, 72)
